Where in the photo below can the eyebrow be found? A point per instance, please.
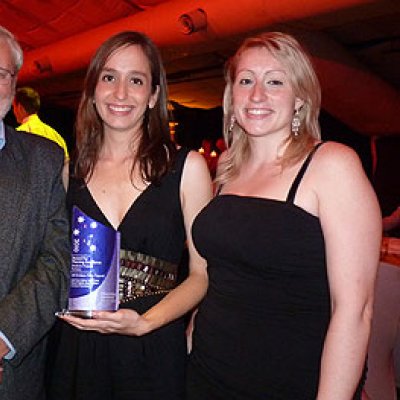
(107, 69)
(268, 72)
(277, 70)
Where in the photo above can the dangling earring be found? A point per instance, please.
(296, 123)
(232, 123)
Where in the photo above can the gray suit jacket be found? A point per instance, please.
(34, 256)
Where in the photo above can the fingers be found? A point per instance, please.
(102, 323)
(106, 315)
(125, 322)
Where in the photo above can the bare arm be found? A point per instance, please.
(195, 194)
(351, 223)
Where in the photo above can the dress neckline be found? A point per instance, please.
(266, 200)
(128, 211)
(291, 194)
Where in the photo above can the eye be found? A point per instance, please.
(107, 78)
(137, 81)
(5, 74)
(245, 81)
(275, 82)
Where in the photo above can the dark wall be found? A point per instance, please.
(332, 129)
(62, 120)
(387, 175)
(195, 124)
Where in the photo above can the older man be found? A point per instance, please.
(34, 247)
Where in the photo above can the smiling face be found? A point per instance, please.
(262, 95)
(7, 88)
(123, 91)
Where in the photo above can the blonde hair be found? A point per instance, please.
(305, 85)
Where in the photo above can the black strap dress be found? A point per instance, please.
(259, 332)
(92, 366)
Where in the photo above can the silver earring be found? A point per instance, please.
(232, 123)
(296, 123)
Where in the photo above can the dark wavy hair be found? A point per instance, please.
(156, 152)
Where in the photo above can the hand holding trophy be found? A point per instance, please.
(94, 267)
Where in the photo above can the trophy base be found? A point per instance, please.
(85, 314)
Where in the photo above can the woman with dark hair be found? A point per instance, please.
(292, 256)
(128, 175)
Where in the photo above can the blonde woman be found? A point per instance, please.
(291, 240)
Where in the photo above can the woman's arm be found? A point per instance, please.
(196, 192)
(351, 223)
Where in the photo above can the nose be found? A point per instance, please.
(258, 92)
(121, 89)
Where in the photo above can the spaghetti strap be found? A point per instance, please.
(293, 189)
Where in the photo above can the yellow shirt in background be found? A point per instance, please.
(33, 124)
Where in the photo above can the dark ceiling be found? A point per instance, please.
(355, 45)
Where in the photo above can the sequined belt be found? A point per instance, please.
(142, 275)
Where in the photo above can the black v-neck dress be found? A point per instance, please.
(92, 366)
(260, 330)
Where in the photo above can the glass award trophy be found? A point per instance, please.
(94, 266)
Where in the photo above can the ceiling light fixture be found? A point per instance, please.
(193, 21)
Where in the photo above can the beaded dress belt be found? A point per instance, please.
(142, 275)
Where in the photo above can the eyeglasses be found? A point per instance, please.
(6, 76)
